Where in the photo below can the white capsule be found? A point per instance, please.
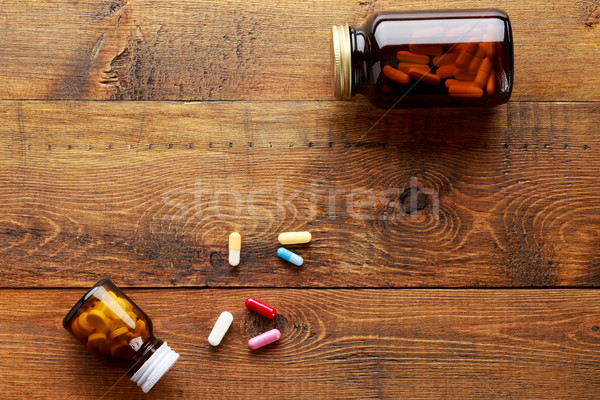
(235, 248)
(220, 328)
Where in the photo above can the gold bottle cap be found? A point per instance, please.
(341, 61)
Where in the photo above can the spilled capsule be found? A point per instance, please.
(235, 248)
(220, 329)
(294, 237)
(261, 308)
(264, 339)
(290, 256)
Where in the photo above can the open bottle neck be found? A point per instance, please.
(350, 61)
(360, 60)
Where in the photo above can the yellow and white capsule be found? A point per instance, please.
(294, 237)
(235, 248)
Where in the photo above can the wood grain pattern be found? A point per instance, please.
(205, 50)
(336, 344)
(148, 193)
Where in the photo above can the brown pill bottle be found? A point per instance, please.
(425, 59)
(120, 334)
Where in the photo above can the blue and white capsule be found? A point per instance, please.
(289, 256)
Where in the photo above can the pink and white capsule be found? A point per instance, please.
(264, 339)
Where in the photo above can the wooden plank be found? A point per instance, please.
(214, 50)
(336, 344)
(151, 191)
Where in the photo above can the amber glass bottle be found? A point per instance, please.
(120, 334)
(425, 58)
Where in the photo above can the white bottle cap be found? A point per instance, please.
(155, 367)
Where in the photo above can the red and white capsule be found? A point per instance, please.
(261, 308)
(264, 339)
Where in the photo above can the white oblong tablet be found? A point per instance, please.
(220, 329)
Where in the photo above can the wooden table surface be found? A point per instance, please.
(456, 252)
